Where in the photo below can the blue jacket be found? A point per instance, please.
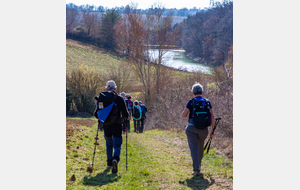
(144, 110)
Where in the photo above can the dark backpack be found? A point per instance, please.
(136, 112)
(201, 117)
(107, 109)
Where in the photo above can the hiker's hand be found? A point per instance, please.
(211, 135)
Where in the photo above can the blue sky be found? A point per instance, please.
(143, 4)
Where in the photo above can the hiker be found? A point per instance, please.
(123, 95)
(200, 117)
(136, 114)
(112, 126)
(129, 106)
(143, 118)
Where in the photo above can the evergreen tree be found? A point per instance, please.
(107, 32)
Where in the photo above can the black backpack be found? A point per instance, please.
(201, 117)
(105, 99)
(136, 112)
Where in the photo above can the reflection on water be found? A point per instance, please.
(178, 60)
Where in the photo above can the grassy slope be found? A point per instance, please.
(99, 59)
(83, 53)
(156, 160)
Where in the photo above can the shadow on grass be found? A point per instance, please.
(198, 182)
(101, 179)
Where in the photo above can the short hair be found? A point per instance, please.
(111, 85)
(197, 88)
(136, 102)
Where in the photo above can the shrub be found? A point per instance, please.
(81, 29)
(68, 99)
(84, 84)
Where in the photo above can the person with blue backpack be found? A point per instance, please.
(136, 115)
(200, 117)
(111, 111)
(143, 118)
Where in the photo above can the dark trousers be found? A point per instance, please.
(113, 137)
(142, 125)
(127, 124)
(136, 124)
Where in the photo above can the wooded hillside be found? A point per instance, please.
(207, 36)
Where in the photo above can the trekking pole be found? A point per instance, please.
(209, 140)
(90, 169)
(126, 124)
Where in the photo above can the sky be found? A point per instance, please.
(144, 4)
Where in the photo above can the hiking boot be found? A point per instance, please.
(114, 166)
(196, 173)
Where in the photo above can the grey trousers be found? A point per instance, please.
(196, 139)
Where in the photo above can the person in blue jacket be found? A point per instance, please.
(144, 110)
(136, 115)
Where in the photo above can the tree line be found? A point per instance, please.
(183, 12)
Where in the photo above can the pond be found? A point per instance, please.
(178, 60)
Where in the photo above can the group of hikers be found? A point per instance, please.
(138, 112)
(114, 113)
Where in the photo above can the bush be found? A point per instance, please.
(81, 29)
(68, 99)
(84, 84)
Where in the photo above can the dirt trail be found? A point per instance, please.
(73, 125)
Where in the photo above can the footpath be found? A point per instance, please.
(156, 160)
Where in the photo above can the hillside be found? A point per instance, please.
(156, 160)
(105, 62)
(83, 53)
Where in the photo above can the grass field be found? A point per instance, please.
(156, 160)
(82, 53)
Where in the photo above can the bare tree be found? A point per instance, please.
(72, 16)
(89, 20)
(120, 74)
(164, 36)
(131, 39)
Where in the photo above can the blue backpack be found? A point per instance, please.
(107, 110)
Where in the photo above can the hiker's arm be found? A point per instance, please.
(123, 108)
(212, 122)
(185, 112)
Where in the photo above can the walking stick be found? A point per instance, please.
(209, 140)
(90, 169)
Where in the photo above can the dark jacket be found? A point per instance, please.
(144, 110)
(108, 97)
